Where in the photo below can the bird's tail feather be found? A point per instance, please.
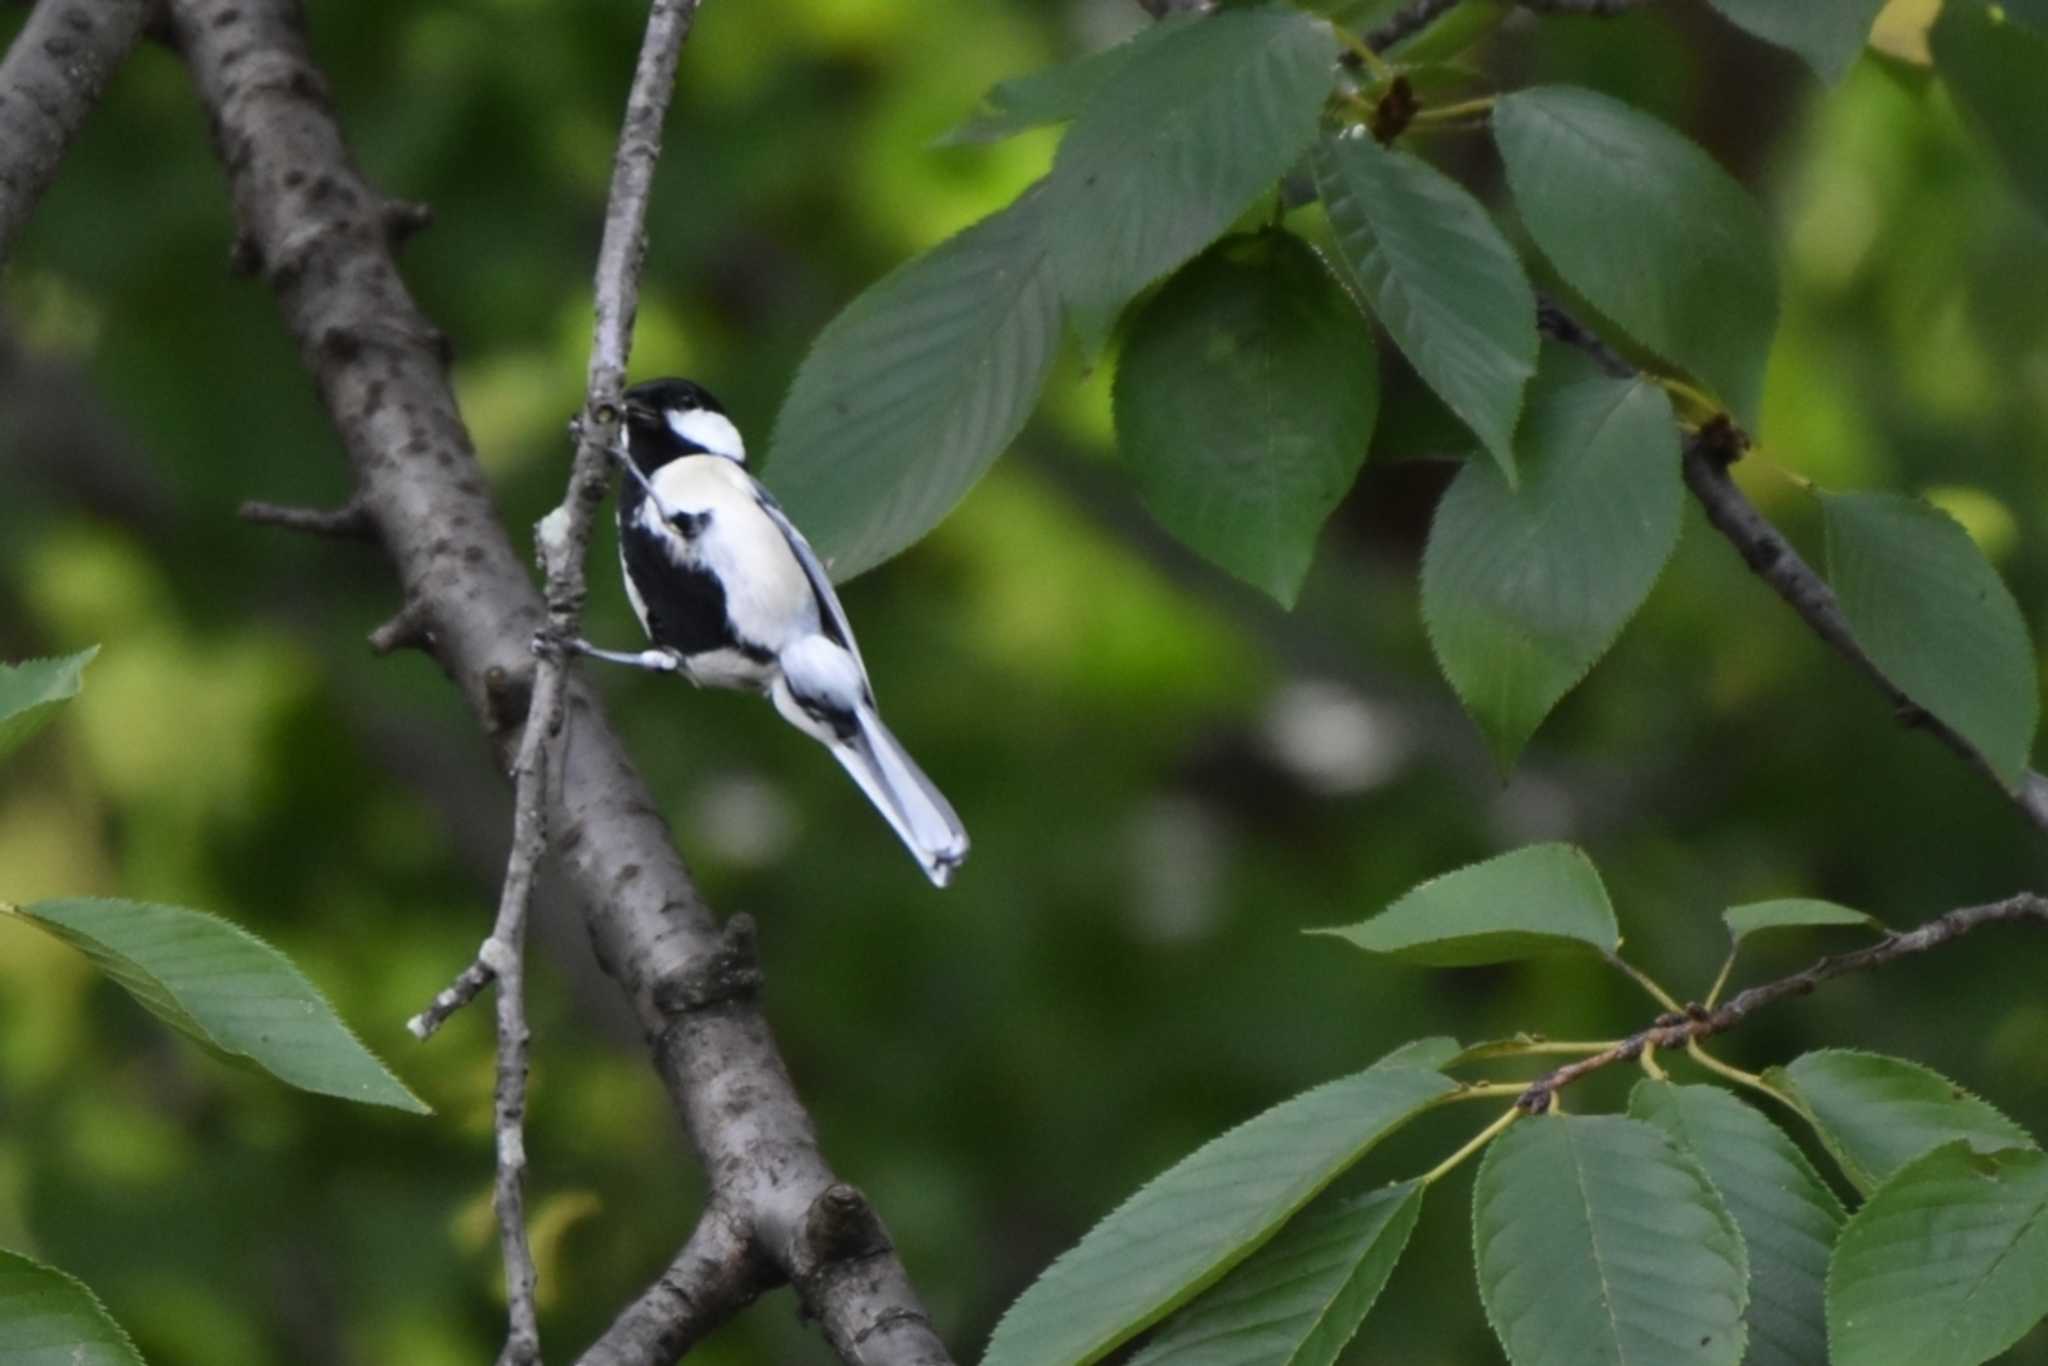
(920, 815)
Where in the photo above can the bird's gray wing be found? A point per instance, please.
(814, 570)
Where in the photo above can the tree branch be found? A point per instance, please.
(346, 523)
(1676, 1031)
(55, 72)
(318, 235)
(1418, 15)
(1708, 455)
(715, 1275)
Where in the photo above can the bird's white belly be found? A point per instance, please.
(768, 599)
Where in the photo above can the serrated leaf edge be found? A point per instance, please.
(26, 914)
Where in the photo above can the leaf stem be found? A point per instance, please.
(1478, 1141)
(1483, 1090)
(1445, 113)
(1721, 980)
(1646, 982)
(1738, 1076)
(1697, 402)
(1368, 56)
(1529, 1046)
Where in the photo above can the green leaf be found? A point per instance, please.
(1792, 913)
(1828, 34)
(1600, 1244)
(225, 989)
(1186, 1228)
(1245, 402)
(1787, 1215)
(1544, 898)
(911, 393)
(1297, 1300)
(1933, 614)
(1524, 589)
(1055, 94)
(1875, 1114)
(1440, 278)
(1947, 1265)
(1194, 128)
(1432, 1054)
(1649, 229)
(31, 692)
(1996, 67)
(50, 1319)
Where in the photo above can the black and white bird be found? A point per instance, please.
(732, 596)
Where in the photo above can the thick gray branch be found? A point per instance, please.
(316, 231)
(53, 75)
(1676, 1031)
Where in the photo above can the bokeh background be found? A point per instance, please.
(1167, 778)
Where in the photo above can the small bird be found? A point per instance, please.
(732, 596)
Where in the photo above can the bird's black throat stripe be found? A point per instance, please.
(685, 603)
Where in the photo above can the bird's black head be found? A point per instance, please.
(667, 419)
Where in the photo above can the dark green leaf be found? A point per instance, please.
(49, 1319)
(1524, 589)
(1600, 1244)
(1828, 34)
(1649, 229)
(1947, 1265)
(1931, 611)
(909, 395)
(1245, 401)
(31, 692)
(1996, 67)
(1545, 898)
(1297, 1300)
(1787, 1215)
(1875, 1113)
(1055, 94)
(225, 989)
(1440, 278)
(1181, 1233)
(1792, 913)
(1432, 1054)
(1194, 128)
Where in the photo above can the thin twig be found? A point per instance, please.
(1698, 1022)
(55, 72)
(1708, 455)
(562, 546)
(349, 522)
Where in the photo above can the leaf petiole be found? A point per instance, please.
(1478, 1141)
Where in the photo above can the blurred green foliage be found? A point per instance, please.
(1166, 778)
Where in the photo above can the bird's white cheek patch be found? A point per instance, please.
(713, 431)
